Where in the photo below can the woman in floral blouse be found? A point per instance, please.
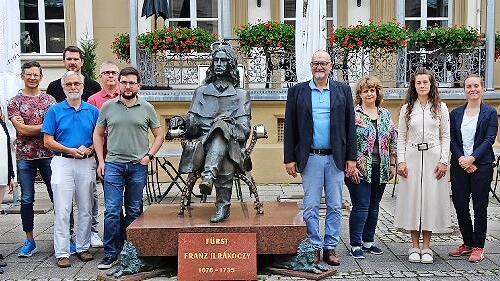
(376, 145)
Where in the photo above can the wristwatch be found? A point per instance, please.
(150, 156)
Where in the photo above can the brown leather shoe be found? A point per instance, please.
(85, 256)
(330, 257)
(63, 262)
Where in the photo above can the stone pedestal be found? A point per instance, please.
(279, 230)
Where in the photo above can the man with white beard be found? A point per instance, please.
(67, 129)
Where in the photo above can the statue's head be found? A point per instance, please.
(224, 65)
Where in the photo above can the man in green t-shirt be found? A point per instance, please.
(127, 119)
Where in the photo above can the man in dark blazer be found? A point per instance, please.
(320, 144)
(473, 129)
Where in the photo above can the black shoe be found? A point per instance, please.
(3, 264)
(107, 262)
(220, 215)
(206, 185)
(373, 250)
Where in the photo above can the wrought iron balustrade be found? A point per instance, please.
(277, 69)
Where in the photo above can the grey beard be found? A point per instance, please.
(73, 96)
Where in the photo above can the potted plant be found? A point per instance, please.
(448, 39)
(388, 36)
(121, 47)
(178, 40)
(270, 37)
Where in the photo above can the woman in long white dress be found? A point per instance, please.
(423, 201)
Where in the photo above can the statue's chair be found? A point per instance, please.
(258, 132)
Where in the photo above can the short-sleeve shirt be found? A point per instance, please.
(32, 109)
(127, 129)
(71, 127)
(99, 98)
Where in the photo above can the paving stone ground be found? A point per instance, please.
(392, 264)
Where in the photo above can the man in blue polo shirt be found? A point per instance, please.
(68, 127)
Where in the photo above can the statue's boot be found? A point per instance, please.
(223, 204)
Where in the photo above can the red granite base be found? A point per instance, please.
(279, 230)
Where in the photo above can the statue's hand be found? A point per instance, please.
(176, 122)
(220, 118)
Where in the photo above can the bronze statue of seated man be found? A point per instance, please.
(218, 125)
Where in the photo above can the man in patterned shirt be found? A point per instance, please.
(27, 110)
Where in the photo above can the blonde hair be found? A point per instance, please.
(369, 82)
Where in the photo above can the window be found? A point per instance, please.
(194, 13)
(289, 11)
(42, 26)
(289, 7)
(427, 13)
(281, 129)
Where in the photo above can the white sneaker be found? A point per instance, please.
(427, 256)
(414, 255)
(95, 240)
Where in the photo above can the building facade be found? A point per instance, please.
(49, 25)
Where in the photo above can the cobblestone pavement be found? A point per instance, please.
(391, 265)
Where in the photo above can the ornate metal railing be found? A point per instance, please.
(450, 68)
(262, 69)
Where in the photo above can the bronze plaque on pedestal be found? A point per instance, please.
(217, 256)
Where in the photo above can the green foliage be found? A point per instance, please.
(89, 47)
(451, 39)
(268, 35)
(121, 47)
(179, 40)
(389, 36)
(497, 45)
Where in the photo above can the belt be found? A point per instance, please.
(72, 157)
(423, 146)
(320, 151)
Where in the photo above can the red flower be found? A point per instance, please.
(168, 40)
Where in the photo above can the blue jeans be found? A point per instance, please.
(26, 173)
(365, 198)
(322, 173)
(123, 182)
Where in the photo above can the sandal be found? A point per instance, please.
(427, 256)
(414, 255)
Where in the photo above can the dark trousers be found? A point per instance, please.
(26, 174)
(365, 198)
(475, 185)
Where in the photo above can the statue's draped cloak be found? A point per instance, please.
(207, 104)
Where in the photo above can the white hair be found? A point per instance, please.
(71, 73)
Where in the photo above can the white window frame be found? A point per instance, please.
(423, 14)
(193, 19)
(41, 21)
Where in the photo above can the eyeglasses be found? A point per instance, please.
(70, 84)
(34, 75)
(109, 72)
(319, 63)
(125, 83)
